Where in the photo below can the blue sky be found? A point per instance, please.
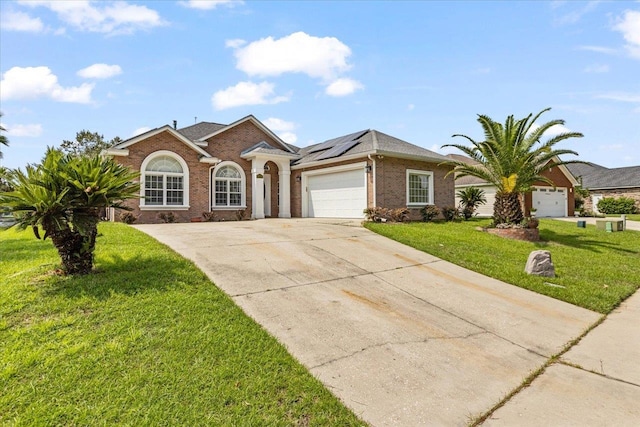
(420, 71)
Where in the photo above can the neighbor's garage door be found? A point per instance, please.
(337, 194)
(550, 201)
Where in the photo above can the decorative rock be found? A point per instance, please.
(540, 264)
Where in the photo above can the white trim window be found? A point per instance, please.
(228, 186)
(165, 181)
(419, 188)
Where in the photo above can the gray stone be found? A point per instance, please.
(540, 264)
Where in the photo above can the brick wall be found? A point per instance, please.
(226, 146)
(391, 183)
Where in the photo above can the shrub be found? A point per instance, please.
(378, 214)
(128, 218)
(470, 199)
(209, 216)
(621, 205)
(429, 213)
(241, 214)
(167, 217)
(450, 213)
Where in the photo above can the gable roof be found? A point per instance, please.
(599, 177)
(198, 130)
(256, 122)
(265, 148)
(363, 143)
(120, 149)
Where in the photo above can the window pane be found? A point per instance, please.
(164, 164)
(174, 197)
(153, 190)
(418, 189)
(228, 172)
(174, 183)
(236, 199)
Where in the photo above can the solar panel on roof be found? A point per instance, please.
(338, 150)
(337, 141)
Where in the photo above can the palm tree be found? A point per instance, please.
(512, 157)
(470, 199)
(3, 139)
(64, 196)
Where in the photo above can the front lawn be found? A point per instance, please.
(146, 340)
(595, 269)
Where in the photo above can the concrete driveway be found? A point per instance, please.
(402, 337)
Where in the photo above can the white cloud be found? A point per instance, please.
(552, 131)
(140, 131)
(574, 16)
(597, 68)
(620, 96)
(343, 87)
(40, 82)
(102, 17)
(282, 128)
(30, 131)
(209, 4)
(246, 93)
(629, 26)
(100, 71)
(599, 49)
(411, 107)
(234, 43)
(317, 57)
(20, 21)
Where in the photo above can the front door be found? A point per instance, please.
(267, 195)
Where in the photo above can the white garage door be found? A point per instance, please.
(485, 210)
(337, 195)
(550, 201)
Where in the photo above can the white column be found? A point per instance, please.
(285, 190)
(257, 189)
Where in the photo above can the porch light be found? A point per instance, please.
(367, 168)
(298, 178)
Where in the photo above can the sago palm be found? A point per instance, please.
(512, 157)
(64, 196)
(470, 199)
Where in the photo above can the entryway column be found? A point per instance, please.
(257, 188)
(284, 183)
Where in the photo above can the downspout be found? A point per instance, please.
(373, 171)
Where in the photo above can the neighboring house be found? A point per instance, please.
(245, 168)
(604, 182)
(549, 201)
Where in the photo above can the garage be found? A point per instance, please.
(335, 193)
(549, 201)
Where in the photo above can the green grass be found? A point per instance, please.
(146, 340)
(597, 270)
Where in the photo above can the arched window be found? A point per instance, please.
(228, 186)
(165, 180)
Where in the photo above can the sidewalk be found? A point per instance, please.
(596, 383)
(631, 225)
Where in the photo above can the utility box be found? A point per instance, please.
(582, 224)
(616, 224)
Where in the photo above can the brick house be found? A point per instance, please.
(549, 201)
(245, 170)
(607, 182)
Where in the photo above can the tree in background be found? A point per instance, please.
(64, 196)
(87, 144)
(512, 157)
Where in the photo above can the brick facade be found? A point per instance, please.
(390, 175)
(391, 183)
